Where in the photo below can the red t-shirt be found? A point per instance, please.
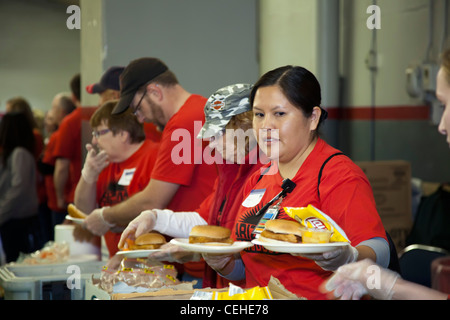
(151, 132)
(180, 157)
(345, 195)
(49, 159)
(68, 144)
(180, 160)
(119, 181)
(221, 207)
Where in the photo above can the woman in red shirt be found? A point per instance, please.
(287, 115)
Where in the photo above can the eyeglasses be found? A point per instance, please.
(99, 133)
(138, 106)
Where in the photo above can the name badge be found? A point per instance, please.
(254, 198)
(126, 177)
(270, 214)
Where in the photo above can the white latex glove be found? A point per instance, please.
(94, 164)
(354, 280)
(96, 224)
(173, 253)
(332, 260)
(143, 223)
(217, 261)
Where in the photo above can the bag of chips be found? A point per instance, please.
(315, 221)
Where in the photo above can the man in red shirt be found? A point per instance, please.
(180, 179)
(62, 105)
(67, 148)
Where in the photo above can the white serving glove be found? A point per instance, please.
(143, 223)
(94, 164)
(332, 260)
(173, 253)
(218, 262)
(352, 281)
(96, 224)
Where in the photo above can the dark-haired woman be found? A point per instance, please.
(287, 115)
(19, 222)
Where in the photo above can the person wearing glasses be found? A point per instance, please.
(118, 164)
(181, 178)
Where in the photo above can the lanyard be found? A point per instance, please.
(270, 214)
(270, 211)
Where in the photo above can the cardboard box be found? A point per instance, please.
(183, 291)
(391, 184)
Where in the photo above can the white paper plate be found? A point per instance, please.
(137, 253)
(76, 220)
(285, 247)
(237, 246)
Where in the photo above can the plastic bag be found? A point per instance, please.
(52, 252)
(139, 273)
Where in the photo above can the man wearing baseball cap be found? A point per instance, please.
(108, 88)
(179, 181)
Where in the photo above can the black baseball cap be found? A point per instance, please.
(136, 74)
(109, 80)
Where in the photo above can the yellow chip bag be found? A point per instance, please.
(237, 293)
(312, 218)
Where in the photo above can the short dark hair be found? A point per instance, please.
(299, 85)
(66, 104)
(125, 121)
(75, 86)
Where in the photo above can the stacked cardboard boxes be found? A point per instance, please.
(391, 184)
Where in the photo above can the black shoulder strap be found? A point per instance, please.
(264, 172)
(321, 169)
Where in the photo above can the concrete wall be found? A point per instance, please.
(211, 43)
(38, 54)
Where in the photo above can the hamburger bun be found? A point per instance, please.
(283, 230)
(74, 212)
(148, 241)
(210, 234)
